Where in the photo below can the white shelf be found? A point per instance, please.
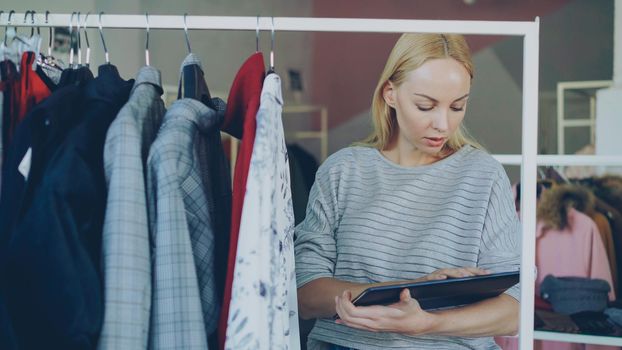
(542, 159)
(577, 338)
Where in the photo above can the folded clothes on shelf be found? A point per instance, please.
(615, 315)
(569, 295)
(595, 323)
(551, 321)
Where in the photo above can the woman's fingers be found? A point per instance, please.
(478, 271)
(455, 273)
(461, 272)
(435, 276)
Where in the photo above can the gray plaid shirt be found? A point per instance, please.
(185, 305)
(125, 245)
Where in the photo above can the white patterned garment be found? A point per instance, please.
(263, 313)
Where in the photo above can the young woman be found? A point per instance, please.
(418, 200)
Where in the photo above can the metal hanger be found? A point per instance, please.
(2, 48)
(560, 172)
(36, 44)
(32, 29)
(86, 38)
(147, 43)
(186, 32)
(17, 37)
(272, 48)
(101, 34)
(42, 60)
(1, 13)
(47, 13)
(23, 40)
(71, 39)
(6, 28)
(79, 41)
(3, 43)
(32, 21)
(257, 35)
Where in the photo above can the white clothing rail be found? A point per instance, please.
(528, 30)
(569, 160)
(295, 24)
(578, 338)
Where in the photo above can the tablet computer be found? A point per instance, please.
(442, 293)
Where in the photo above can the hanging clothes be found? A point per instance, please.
(564, 229)
(52, 262)
(9, 76)
(218, 179)
(553, 212)
(36, 140)
(51, 69)
(29, 90)
(585, 257)
(615, 222)
(609, 189)
(606, 235)
(75, 76)
(125, 238)
(302, 167)
(185, 306)
(7, 336)
(1, 123)
(240, 122)
(264, 312)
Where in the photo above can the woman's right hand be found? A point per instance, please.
(439, 274)
(442, 274)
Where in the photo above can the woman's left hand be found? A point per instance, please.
(405, 316)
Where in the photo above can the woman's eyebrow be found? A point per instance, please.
(426, 96)
(461, 98)
(435, 100)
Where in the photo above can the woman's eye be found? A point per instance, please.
(456, 109)
(424, 109)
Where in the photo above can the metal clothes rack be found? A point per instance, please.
(529, 31)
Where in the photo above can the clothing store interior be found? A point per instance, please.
(169, 170)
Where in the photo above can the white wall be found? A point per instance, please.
(608, 116)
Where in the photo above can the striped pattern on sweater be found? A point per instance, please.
(371, 220)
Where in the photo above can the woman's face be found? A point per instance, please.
(430, 104)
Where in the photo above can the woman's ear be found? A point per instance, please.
(388, 93)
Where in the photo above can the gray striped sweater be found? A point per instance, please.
(371, 220)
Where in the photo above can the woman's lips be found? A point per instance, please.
(434, 141)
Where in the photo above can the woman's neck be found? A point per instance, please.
(404, 154)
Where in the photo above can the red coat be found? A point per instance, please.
(240, 122)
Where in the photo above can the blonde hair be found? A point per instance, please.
(410, 52)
